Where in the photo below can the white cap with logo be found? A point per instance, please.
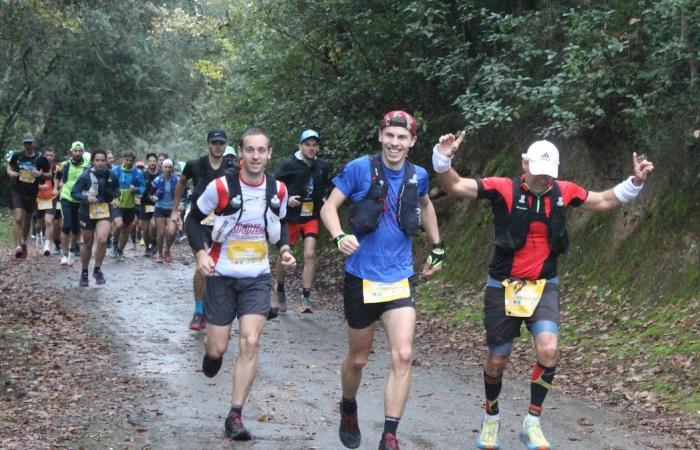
(543, 159)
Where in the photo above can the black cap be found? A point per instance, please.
(217, 134)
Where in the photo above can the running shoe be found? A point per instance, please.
(167, 257)
(147, 252)
(76, 250)
(273, 313)
(71, 259)
(18, 252)
(159, 259)
(389, 442)
(349, 430)
(532, 436)
(57, 250)
(211, 366)
(305, 305)
(47, 248)
(24, 251)
(99, 277)
(64, 260)
(488, 438)
(120, 256)
(84, 282)
(234, 427)
(198, 323)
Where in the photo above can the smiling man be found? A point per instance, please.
(522, 283)
(389, 203)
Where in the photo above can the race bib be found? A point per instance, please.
(149, 208)
(307, 209)
(137, 200)
(246, 252)
(58, 206)
(378, 292)
(99, 211)
(26, 176)
(44, 204)
(522, 296)
(209, 220)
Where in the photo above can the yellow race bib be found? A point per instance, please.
(44, 204)
(378, 292)
(522, 296)
(99, 211)
(209, 220)
(246, 252)
(307, 209)
(58, 205)
(149, 208)
(26, 176)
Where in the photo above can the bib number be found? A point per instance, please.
(378, 292)
(209, 220)
(149, 208)
(307, 209)
(246, 252)
(58, 205)
(26, 176)
(99, 211)
(137, 200)
(44, 204)
(522, 296)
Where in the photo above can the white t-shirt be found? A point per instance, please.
(243, 250)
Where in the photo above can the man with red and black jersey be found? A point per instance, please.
(46, 199)
(522, 284)
(249, 209)
(201, 171)
(306, 177)
(147, 206)
(25, 169)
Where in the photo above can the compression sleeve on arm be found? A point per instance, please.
(284, 234)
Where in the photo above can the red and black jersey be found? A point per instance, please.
(534, 260)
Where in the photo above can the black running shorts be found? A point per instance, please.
(227, 298)
(360, 315)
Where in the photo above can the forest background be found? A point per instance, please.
(600, 79)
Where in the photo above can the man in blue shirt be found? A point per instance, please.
(389, 198)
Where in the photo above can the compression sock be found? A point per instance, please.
(492, 386)
(280, 286)
(199, 306)
(349, 406)
(540, 384)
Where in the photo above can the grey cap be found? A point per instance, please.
(27, 137)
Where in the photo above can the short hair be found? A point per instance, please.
(98, 151)
(129, 154)
(50, 149)
(253, 132)
(151, 155)
(107, 152)
(163, 154)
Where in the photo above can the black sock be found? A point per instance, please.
(211, 366)
(237, 408)
(492, 387)
(280, 286)
(306, 292)
(390, 425)
(349, 406)
(96, 269)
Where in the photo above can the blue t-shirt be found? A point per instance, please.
(385, 254)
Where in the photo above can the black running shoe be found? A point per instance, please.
(211, 366)
(234, 427)
(84, 280)
(273, 313)
(99, 277)
(349, 430)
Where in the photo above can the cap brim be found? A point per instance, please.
(217, 140)
(543, 168)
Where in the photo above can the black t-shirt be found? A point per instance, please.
(27, 185)
(148, 178)
(201, 173)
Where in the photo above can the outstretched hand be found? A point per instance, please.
(642, 168)
(449, 143)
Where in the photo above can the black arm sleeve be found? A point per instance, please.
(194, 228)
(284, 235)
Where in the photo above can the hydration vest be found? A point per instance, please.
(74, 172)
(232, 210)
(512, 229)
(366, 213)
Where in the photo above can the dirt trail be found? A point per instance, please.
(144, 309)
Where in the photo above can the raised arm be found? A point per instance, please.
(451, 182)
(624, 192)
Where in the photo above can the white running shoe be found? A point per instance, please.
(47, 248)
(71, 259)
(64, 260)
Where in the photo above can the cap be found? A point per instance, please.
(309, 134)
(543, 159)
(27, 137)
(167, 163)
(77, 145)
(399, 119)
(229, 151)
(140, 164)
(217, 134)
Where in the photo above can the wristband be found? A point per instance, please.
(441, 163)
(627, 191)
(340, 238)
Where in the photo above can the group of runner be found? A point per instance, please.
(237, 209)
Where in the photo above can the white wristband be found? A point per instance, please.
(441, 163)
(627, 191)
